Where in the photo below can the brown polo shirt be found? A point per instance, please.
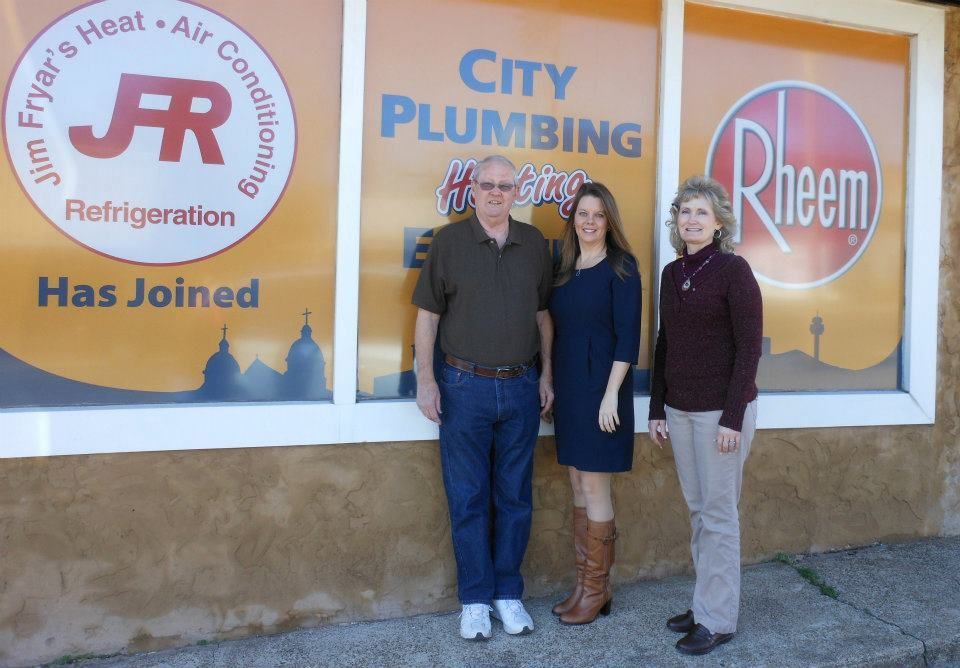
(487, 297)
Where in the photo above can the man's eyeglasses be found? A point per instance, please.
(487, 186)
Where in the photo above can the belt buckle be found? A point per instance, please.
(509, 371)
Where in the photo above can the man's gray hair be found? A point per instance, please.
(491, 160)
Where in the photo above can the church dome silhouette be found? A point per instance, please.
(306, 369)
(221, 375)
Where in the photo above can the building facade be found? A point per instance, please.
(181, 464)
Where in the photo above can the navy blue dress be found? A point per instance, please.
(596, 318)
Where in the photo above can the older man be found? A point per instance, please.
(485, 285)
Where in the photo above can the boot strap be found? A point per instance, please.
(606, 540)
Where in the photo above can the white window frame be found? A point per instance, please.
(916, 403)
(64, 431)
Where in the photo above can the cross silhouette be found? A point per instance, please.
(224, 330)
(306, 315)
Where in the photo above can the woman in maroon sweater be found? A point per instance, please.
(704, 395)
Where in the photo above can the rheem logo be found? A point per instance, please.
(156, 133)
(805, 181)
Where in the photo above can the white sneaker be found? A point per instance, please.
(513, 616)
(475, 622)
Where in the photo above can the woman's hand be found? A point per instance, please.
(658, 432)
(728, 440)
(608, 418)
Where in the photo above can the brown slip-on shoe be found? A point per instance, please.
(682, 623)
(701, 641)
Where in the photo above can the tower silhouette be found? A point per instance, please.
(816, 328)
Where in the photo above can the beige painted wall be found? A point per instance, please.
(135, 552)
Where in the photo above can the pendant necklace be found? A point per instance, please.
(688, 280)
(594, 262)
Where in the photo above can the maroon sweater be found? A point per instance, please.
(709, 342)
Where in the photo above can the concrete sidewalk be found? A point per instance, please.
(895, 605)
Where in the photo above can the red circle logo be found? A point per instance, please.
(804, 179)
(157, 134)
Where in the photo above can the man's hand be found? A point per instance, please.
(658, 432)
(545, 325)
(424, 336)
(428, 400)
(546, 398)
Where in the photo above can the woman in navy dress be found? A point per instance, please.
(596, 313)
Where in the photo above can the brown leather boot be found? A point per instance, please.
(580, 550)
(596, 596)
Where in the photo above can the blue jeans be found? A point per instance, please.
(487, 434)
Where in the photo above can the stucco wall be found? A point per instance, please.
(141, 551)
(947, 435)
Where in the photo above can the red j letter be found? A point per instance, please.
(176, 120)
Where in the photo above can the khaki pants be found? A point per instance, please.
(711, 484)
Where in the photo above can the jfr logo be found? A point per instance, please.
(175, 120)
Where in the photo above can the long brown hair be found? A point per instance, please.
(618, 248)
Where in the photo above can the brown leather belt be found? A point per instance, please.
(501, 372)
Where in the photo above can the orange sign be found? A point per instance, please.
(169, 201)
(805, 125)
(519, 83)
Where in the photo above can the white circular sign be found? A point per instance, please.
(154, 133)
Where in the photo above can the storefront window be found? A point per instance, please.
(806, 126)
(169, 219)
(200, 199)
(526, 89)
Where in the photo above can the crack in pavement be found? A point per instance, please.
(839, 599)
(868, 613)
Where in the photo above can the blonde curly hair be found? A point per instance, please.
(711, 190)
